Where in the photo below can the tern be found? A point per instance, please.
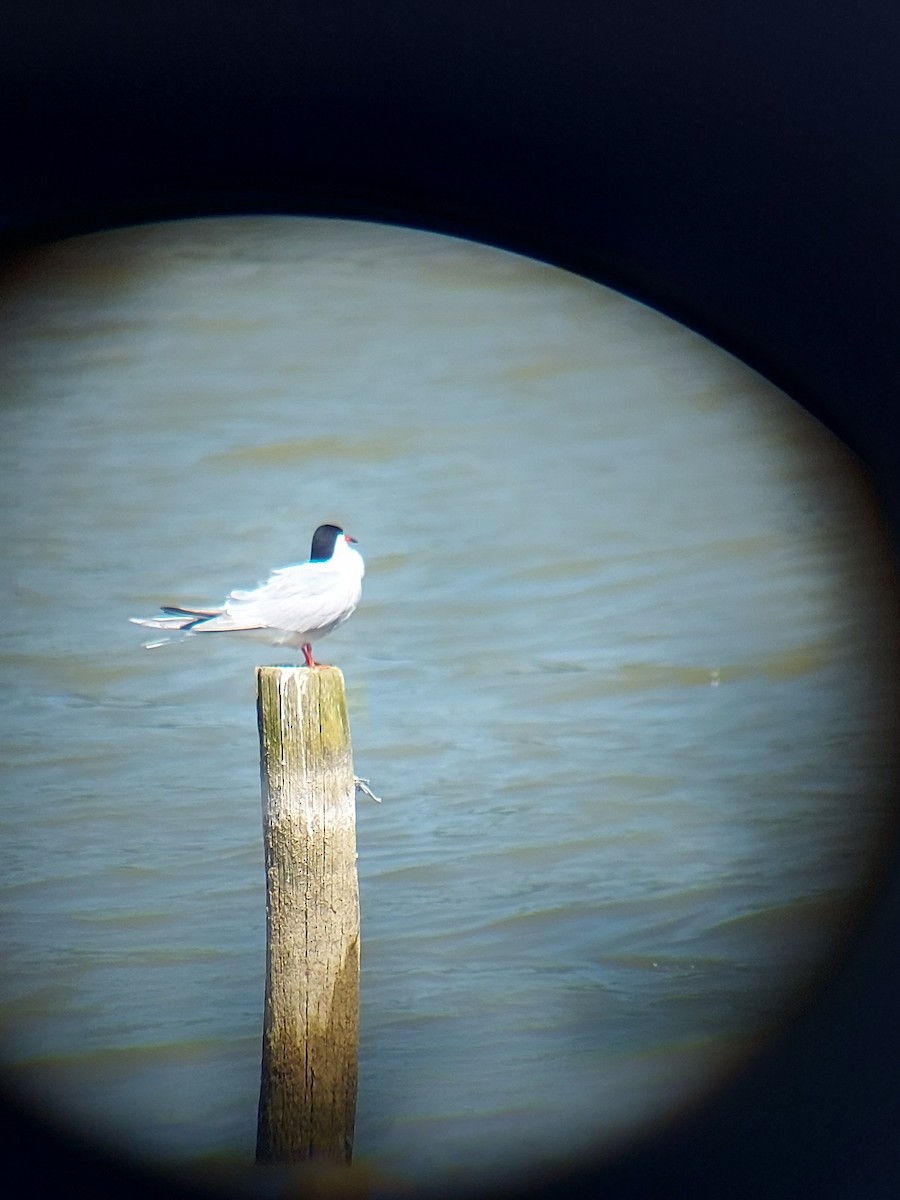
(296, 605)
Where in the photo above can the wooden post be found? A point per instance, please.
(307, 1101)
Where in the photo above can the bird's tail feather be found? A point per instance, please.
(195, 620)
(175, 618)
(175, 611)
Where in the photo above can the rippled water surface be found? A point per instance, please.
(623, 674)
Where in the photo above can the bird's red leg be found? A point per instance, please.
(310, 661)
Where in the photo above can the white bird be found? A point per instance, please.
(296, 605)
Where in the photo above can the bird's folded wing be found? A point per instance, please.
(289, 583)
(300, 613)
(228, 622)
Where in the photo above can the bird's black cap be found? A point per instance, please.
(323, 542)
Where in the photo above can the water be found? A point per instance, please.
(623, 674)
